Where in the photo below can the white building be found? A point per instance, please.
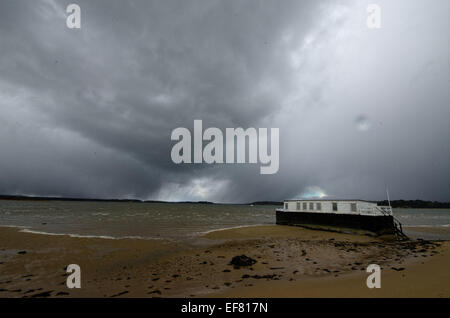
(358, 207)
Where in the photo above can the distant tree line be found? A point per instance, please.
(419, 204)
(266, 203)
(416, 204)
(36, 198)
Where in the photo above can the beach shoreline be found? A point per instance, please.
(290, 262)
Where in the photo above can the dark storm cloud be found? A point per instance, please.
(89, 112)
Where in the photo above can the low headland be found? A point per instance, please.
(413, 204)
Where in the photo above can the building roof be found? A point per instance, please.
(334, 200)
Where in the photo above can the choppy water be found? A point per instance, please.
(117, 219)
(423, 217)
(159, 220)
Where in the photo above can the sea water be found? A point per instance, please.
(174, 221)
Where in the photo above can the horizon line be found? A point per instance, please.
(262, 202)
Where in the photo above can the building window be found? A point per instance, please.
(285, 206)
(319, 206)
(334, 206)
(311, 206)
(353, 207)
(298, 205)
(304, 206)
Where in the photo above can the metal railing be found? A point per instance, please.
(374, 210)
(398, 229)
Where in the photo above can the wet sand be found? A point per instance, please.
(290, 262)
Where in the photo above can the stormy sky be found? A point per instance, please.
(89, 112)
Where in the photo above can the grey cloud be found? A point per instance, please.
(89, 112)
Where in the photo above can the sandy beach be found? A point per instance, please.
(290, 262)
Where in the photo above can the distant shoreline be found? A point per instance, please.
(410, 204)
(38, 198)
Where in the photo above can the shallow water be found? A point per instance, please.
(179, 221)
(423, 217)
(130, 219)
